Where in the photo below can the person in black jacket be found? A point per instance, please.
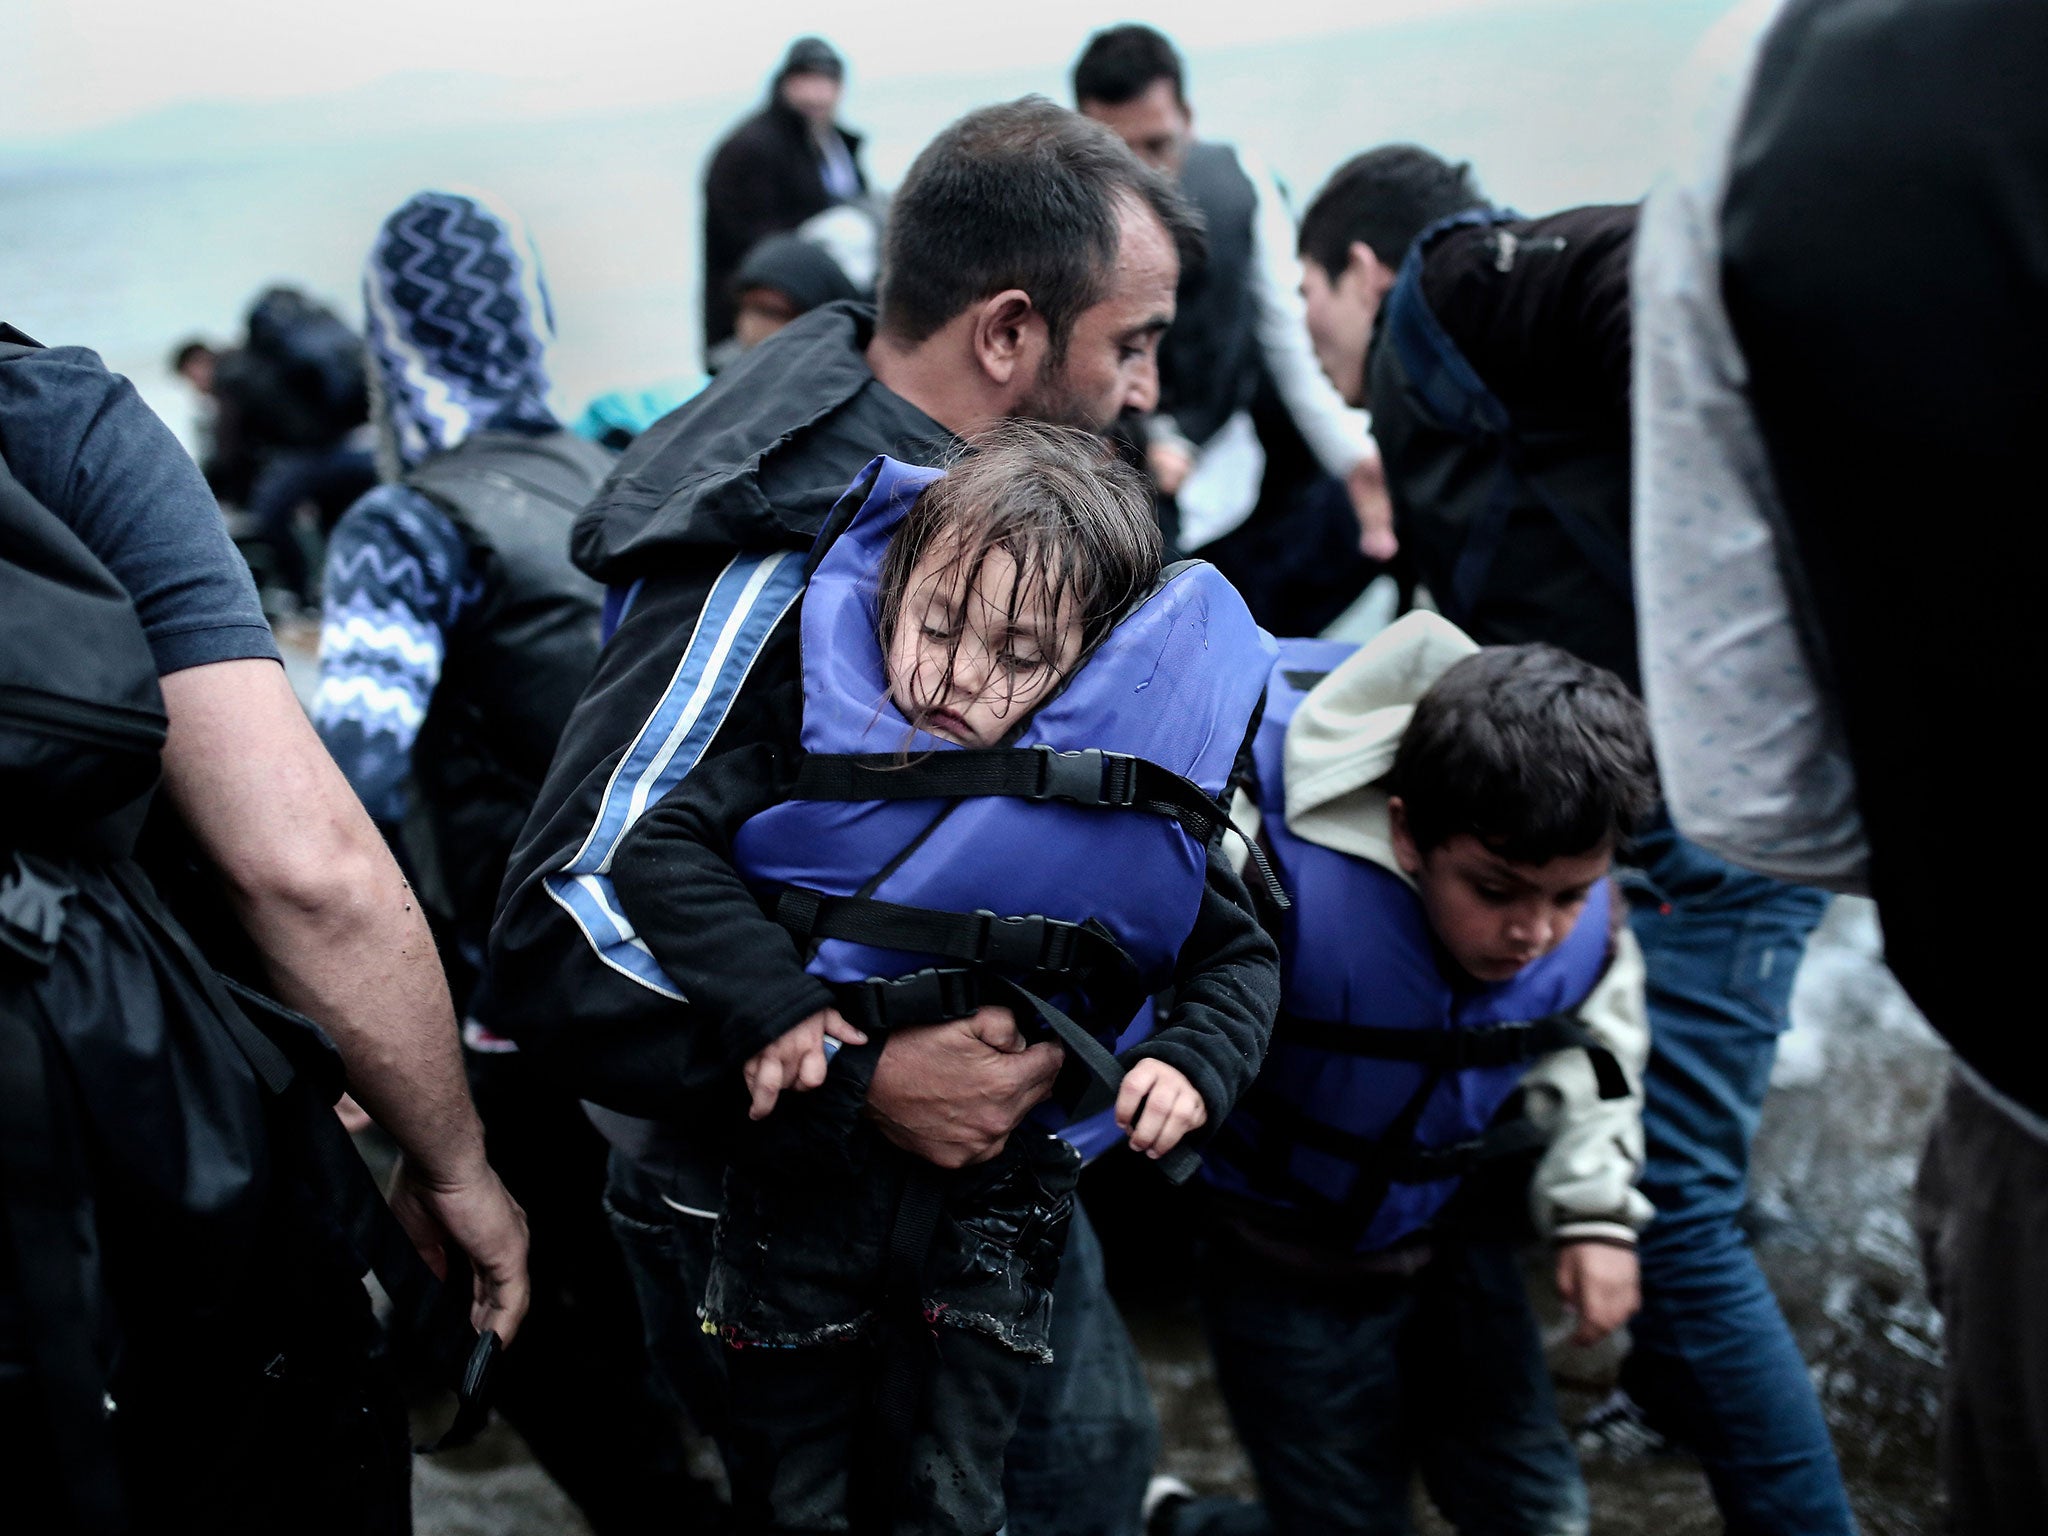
(1495, 353)
(788, 161)
(1831, 665)
(1030, 271)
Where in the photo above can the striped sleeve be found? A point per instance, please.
(397, 574)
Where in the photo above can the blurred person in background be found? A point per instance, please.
(1495, 352)
(1834, 690)
(286, 407)
(781, 166)
(1262, 468)
(457, 637)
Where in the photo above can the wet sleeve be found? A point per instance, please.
(81, 440)
(1226, 995)
(739, 969)
(396, 571)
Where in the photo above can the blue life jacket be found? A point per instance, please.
(928, 878)
(1384, 1076)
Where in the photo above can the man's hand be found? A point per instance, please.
(1373, 508)
(1157, 1106)
(1598, 1281)
(1170, 464)
(485, 1222)
(795, 1060)
(952, 1093)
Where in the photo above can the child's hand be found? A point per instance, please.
(1170, 1107)
(797, 1060)
(1597, 1281)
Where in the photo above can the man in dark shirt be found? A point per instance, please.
(1030, 271)
(303, 867)
(1494, 352)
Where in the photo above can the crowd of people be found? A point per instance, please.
(752, 852)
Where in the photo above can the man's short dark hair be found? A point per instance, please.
(1534, 752)
(1385, 197)
(1023, 195)
(1120, 64)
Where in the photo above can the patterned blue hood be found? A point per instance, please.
(457, 323)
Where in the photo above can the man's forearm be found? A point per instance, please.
(322, 898)
(363, 964)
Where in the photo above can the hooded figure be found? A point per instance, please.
(788, 161)
(458, 635)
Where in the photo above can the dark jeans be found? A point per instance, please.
(578, 1385)
(1714, 1364)
(1086, 1437)
(1981, 1208)
(1342, 1394)
(330, 478)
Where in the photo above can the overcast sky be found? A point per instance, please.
(75, 64)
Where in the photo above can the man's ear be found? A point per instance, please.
(1008, 337)
(1362, 265)
(1406, 854)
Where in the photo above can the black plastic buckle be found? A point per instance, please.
(931, 996)
(1089, 777)
(1428, 1165)
(1025, 943)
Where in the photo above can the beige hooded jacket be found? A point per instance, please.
(1340, 744)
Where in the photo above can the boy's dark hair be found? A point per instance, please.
(1078, 521)
(1385, 197)
(1023, 195)
(1120, 63)
(1531, 750)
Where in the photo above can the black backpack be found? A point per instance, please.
(184, 1226)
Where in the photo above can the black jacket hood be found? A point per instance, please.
(692, 480)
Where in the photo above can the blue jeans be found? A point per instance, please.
(1086, 1439)
(1714, 1364)
(1341, 1395)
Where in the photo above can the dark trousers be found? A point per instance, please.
(1981, 1207)
(1713, 1362)
(577, 1382)
(330, 478)
(1341, 1395)
(1086, 1437)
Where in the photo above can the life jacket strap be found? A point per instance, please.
(934, 995)
(1458, 1049)
(1093, 779)
(1028, 943)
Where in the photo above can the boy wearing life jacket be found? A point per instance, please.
(1444, 818)
(1017, 732)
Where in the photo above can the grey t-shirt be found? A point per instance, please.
(80, 439)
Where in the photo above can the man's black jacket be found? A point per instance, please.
(707, 522)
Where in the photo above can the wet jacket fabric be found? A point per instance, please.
(1499, 381)
(1327, 821)
(764, 179)
(704, 525)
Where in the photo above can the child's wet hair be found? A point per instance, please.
(1538, 754)
(1077, 520)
